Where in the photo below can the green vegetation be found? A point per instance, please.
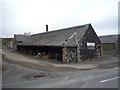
(106, 57)
(6, 42)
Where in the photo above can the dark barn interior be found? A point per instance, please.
(48, 52)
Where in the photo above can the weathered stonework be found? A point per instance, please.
(69, 54)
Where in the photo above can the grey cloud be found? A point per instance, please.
(111, 22)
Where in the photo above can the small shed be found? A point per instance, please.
(110, 44)
(19, 38)
(68, 44)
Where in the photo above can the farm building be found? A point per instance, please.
(110, 45)
(69, 44)
(19, 38)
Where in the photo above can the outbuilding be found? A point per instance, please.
(110, 44)
(19, 38)
(68, 44)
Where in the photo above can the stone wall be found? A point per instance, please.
(69, 54)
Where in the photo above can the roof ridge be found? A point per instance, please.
(73, 27)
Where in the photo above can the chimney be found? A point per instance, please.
(46, 28)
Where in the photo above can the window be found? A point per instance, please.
(90, 45)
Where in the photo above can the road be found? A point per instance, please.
(106, 78)
(20, 71)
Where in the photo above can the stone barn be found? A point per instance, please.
(110, 45)
(71, 44)
(19, 38)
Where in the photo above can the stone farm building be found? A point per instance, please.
(69, 44)
(110, 44)
(18, 38)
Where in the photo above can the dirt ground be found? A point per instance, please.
(17, 68)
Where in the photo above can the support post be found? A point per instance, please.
(64, 60)
(78, 48)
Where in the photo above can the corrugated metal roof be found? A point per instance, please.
(57, 37)
(109, 38)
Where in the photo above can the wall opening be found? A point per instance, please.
(45, 52)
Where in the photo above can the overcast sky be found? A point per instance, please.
(20, 16)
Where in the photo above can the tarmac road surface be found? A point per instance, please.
(19, 71)
(105, 78)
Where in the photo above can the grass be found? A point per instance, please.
(106, 57)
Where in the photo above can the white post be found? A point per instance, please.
(78, 48)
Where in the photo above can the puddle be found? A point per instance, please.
(38, 76)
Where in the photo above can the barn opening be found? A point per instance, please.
(46, 52)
